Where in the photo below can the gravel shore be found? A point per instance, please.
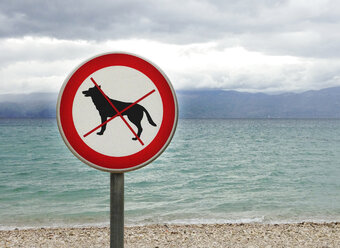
(215, 235)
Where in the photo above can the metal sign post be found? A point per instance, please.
(116, 210)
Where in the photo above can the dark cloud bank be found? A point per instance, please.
(276, 27)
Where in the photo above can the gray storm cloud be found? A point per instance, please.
(273, 26)
(257, 45)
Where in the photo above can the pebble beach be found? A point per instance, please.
(323, 235)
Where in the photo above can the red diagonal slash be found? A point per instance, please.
(140, 99)
(118, 113)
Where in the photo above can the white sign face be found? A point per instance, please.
(125, 85)
(117, 112)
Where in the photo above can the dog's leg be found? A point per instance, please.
(139, 132)
(136, 119)
(104, 118)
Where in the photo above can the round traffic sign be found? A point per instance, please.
(117, 112)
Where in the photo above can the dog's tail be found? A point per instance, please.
(149, 117)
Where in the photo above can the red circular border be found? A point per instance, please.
(109, 163)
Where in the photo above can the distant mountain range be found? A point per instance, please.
(34, 105)
(323, 103)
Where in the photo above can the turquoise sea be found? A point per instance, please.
(214, 171)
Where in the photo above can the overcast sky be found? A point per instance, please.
(256, 46)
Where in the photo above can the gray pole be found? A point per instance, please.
(117, 210)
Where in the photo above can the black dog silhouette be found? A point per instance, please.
(134, 114)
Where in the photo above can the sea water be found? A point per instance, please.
(214, 171)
